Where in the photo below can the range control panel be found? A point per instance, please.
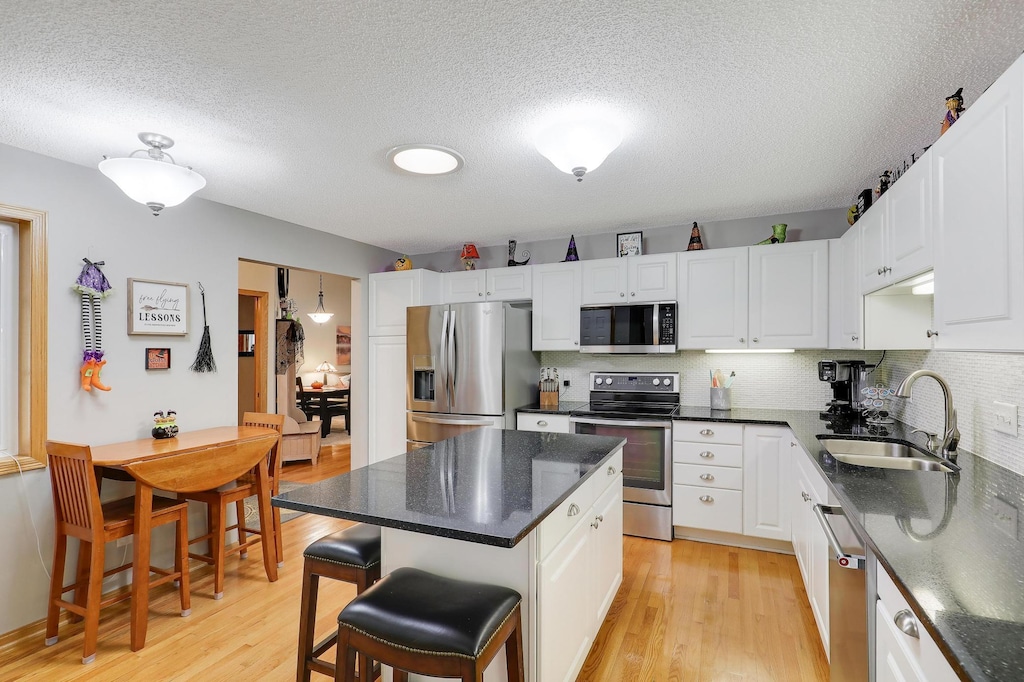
(623, 382)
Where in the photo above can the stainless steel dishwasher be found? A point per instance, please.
(847, 598)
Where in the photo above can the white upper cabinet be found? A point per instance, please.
(463, 286)
(392, 292)
(556, 306)
(712, 297)
(510, 284)
(605, 281)
(979, 222)
(873, 248)
(789, 295)
(910, 223)
(846, 305)
(631, 279)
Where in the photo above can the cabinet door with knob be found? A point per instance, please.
(789, 295)
(556, 306)
(873, 268)
(767, 457)
(464, 286)
(846, 307)
(510, 284)
(651, 278)
(712, 296)
(605, 281)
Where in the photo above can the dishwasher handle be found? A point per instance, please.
(843, 558)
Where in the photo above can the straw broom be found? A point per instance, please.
(204, 358)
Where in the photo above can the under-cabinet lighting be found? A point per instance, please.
(750, 350)
(921, 279)
(924, 289)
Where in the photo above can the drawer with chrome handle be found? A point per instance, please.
(698, 507)
(705, 453)
(707, 476)
(531, 421)
(708, 432)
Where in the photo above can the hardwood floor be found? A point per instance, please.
(685, 611)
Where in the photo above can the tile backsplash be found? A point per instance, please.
(790, 381)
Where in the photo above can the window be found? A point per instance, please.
(22, 338)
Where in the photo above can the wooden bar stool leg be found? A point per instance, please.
(240, 514)
(219, 528)
(345, 670)
(92, 605)
(514, 654)
(60, 550)
(181, 562)
(307, 621)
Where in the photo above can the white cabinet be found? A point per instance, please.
(578, 579)
(497, 284)
(463, 286)
(846, 307)
(909, 225)
(556, 306)
(789, 295)
(510, 284)
(873, 273)
(534, 421)
(712, 297)
(809, 542)
(386, 396)
(979, 221)
(392, 292)
(767, 475)
(631, 279)
(707, 490)
(900, 656)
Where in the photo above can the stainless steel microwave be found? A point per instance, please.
(636, 328)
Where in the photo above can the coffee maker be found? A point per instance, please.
(846, 378)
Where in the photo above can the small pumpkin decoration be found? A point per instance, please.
(403, 263)
(317, 384)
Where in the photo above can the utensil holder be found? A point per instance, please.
(549, 400)
(721, 398)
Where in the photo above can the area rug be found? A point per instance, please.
(252, 512)
(338, 434)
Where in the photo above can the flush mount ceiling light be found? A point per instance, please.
(157, 181)
(578, 146)
(320, 315)
(426, 159)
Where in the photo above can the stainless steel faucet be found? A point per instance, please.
(950, 433)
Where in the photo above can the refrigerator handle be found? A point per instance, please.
(443, 360)
(452, 361)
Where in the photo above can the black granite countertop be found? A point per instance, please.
(482, 486)
(937, 534)
(564, 407)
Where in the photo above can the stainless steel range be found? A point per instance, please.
(638, 407)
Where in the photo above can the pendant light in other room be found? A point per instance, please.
(156, 181)
(320, 315)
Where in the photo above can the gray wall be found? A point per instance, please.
(805, 226)
(198, 241)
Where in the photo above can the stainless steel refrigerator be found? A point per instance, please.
(469, 365)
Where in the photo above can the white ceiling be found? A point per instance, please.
(730, 109)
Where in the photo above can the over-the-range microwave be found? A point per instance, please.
(635, 328)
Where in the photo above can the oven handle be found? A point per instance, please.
(622, 422)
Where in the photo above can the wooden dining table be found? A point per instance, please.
(322, 396)
(194, 460)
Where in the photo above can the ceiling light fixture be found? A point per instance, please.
(578, 146)
(157, 181)
(426, 159)
(320, 315)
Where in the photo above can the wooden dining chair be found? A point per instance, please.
(78, 513)
(217, 502)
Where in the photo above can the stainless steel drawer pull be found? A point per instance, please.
(930, 333)
(805, 496)
(542, 423)
(595, 523)
(707, 432)
(792, 443)
(574, 509)
(480, 293)
(707, 454)
(706, 498)
(907, 624)
(611, 471)
(707, 477)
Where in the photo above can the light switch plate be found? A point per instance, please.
(1006, 418)
(1005, 516)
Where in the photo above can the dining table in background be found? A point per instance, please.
(191, 461)
(323, 397)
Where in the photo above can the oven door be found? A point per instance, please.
(646, 457)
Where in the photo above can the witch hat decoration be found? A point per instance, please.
(695, 243)
(571, 254)
(204, 358)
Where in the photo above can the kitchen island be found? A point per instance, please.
(538, 512)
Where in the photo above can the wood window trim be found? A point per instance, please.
(32, 316)
(261, 321)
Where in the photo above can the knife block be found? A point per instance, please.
(549, 400)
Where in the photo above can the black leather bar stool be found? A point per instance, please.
(418, 622)
(352, 556)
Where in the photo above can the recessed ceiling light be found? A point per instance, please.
(426, 159)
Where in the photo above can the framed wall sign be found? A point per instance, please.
(157, 307)
(630, 243)
(158, 358)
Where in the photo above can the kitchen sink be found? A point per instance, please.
(883, 455)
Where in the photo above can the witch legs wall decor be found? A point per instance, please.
(93, 286)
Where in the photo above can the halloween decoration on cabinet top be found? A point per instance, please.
(512, 262)
(695, 241)
(403, 263)
(954, 107)
(778, 235)
(93, 287)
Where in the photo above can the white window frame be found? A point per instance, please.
(9, 331)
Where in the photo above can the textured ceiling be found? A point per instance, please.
(730, 109)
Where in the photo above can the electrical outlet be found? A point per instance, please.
(1005, 516)
(565, 383)
(1006, 418)
(123, 542)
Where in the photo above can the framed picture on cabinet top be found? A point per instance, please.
(630, 243)
(157, 308)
